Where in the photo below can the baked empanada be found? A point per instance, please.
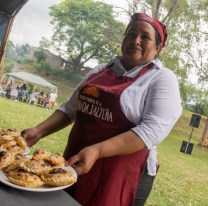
(25, 179)
(62, 166)
(2, 147)
(58, 177)
(12, 132)
(18, 158)
(38, 167)
(15, 149)
(40, 154)
(21, 142)
(6, 159)
(8, 143)
(55, 159)
(6, 137)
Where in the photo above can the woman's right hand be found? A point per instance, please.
(31, 135)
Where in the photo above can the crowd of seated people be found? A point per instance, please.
(15, 92)
(20, 93)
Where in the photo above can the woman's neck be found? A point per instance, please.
(130, 66)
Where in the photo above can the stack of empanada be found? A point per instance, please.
(43, 168)
(13, 142)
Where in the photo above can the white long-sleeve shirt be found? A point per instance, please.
(152, 103)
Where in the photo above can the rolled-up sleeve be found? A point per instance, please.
(162, 109)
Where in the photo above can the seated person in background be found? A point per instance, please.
(21, 84)
(23, 87)
(14, 93)
(42, 94)
(33, 97)
(3, 85)
(41, 99)
(24, 95)
(30, 92)
(19, 96)
(8, 90)
(47, 101)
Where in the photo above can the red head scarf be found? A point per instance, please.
(159, 26)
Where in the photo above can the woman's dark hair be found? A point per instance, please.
(158, 42)
(157, 38)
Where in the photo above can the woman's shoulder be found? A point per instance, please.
(163, 71)
(96, 69)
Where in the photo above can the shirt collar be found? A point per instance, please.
(117, 61)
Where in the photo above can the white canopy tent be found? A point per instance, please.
(38, 81)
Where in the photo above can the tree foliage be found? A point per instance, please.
(23, 50)
(84, 30)
(183, 19)
(9, 49)
(43, 67)
(44, 43)
(195, 100)
(40, 54)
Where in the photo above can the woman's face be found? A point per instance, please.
(139, 45)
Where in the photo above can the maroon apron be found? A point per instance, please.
(111, 181)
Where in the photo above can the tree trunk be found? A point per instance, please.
(204, 138)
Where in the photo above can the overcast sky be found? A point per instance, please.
(33, 22)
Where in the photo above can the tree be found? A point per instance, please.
(23, 50)
(179, 16)
(44, 43)
(85, 30)
(187, 41)
(9, 49)
(40, 54)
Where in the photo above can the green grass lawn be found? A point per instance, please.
(182, 178)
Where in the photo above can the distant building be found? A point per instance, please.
(54, 60)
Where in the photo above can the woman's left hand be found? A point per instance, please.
(84, 160)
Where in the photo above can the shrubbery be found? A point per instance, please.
(67, 75)
(29, 61)
(9, 67)
(40, 55)
(43, 67)
(20, 60)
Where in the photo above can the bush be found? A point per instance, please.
(67, 75)
(9, 67)
(20, 60)
(43, 67)
(29, 61)
(40, 55)
(7, 59)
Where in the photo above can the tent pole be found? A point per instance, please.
(10, 78)
(2, 78)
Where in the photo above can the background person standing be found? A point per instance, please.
(52, 100)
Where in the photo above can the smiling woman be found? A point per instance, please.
(121, 111)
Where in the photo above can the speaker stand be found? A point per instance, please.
(191, 134)
(189, 141)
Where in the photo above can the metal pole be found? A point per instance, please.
(189, 140)
(191, 134)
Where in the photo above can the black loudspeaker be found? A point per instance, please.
(195, 120)
(187, 147)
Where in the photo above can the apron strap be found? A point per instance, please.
(145, 69)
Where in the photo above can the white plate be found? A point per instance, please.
(26, 151)
(44, 188)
